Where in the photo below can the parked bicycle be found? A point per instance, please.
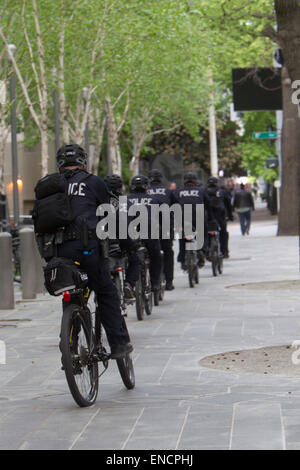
(81, 342)
(214, 253)
(143, 290)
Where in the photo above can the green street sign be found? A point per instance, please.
(265, 135)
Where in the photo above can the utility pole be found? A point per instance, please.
(212, 131)
(14, 145)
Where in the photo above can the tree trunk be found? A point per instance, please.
(44, 152)
(289, 194)
(288, 27)
(113, 149)
(98, 147)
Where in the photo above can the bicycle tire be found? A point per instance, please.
(190, 268)
(220, 265)
(139, 299)
(148, 295)
(156, 295)
(214, 262)
(149, 303)
(162, 288)
(125, 366)
(196, 274)
(75, 362)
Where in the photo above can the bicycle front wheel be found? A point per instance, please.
(76, 345)
(125, 366)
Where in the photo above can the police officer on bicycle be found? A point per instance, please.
(164, 196)
(79, 242)
(221, 209)
(128, 245)
(139, 196)
(193, 194)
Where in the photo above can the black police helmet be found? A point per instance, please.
(155, 176)
(114, 183)
(190, 177)
(71, 154)
(212, 181)
(139, 183)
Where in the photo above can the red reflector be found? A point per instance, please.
(67, 296)
(212, 234)
(120, 270)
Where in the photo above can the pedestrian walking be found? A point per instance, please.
(243, 204)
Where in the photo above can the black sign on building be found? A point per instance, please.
(257, 89)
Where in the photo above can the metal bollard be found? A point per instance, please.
(28, 263)
(40, 287)
(7, 300)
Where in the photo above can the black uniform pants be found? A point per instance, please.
(223, 234)
(153, 248)
(167, 248)
(97, 269)
(134, 264)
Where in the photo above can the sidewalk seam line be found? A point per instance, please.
(84, 428)
(133, 428)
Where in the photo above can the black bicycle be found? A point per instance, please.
(143, 288)
(214, 253)
(82, 348)
(118, 265)
(191, 260)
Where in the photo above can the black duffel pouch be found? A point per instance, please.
(62, 274)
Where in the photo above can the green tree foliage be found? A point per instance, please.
(254, 152)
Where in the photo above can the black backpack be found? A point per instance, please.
(52, 208)
(215, 201)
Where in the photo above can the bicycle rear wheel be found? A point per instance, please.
(162, 287)
(220, 264)
(148, 295)
(125, 366)
(190, 268)
(139, 299)
(196, 274)
(76, 345)
(214, 257)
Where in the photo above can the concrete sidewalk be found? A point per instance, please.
(178, 403)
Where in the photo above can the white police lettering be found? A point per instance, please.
(76, 190)
(157, 191)
(146, 201)
(187, 193)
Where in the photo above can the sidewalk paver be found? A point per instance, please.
(177, 402)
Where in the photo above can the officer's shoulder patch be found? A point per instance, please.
(114, 202)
